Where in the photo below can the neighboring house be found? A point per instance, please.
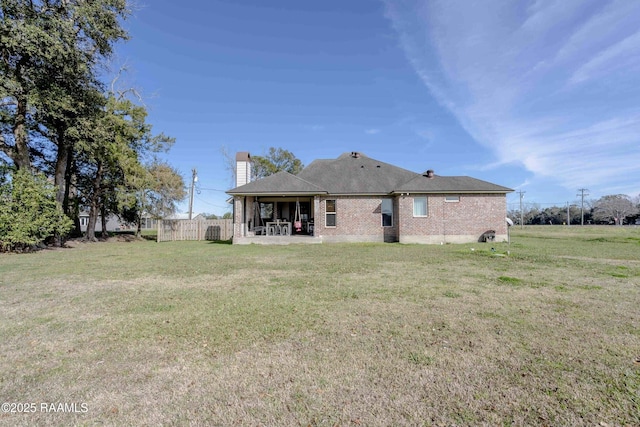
(115, 224)
(355, 198)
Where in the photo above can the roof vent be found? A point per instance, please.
(355, 154)
(429, 173)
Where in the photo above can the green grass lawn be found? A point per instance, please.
(544, 331)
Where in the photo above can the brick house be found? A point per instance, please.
(355, 198)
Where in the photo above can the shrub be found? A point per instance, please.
(29, 212)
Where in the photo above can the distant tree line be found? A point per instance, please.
(226, 215)
(66, 135)
(618, 209)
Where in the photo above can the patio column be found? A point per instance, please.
(239, 217)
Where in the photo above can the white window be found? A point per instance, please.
(451, 199)
(386, 208)
(83, 221)
(420, 206)
(330, 213)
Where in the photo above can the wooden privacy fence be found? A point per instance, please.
(185, 229)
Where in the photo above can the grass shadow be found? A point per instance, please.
(220, 242)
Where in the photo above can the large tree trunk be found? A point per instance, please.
(103, 217)
(93, 218)
(94, 204)
(68, 176)
(139, 215)
(60, 173)
(71, 202)
(60, 179)
(21, 156)
(139, 225)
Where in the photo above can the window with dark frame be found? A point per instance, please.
(386, 208)
(330, 213)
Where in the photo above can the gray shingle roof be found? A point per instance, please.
(355, 175)
(281, 183)
(450, 184)
(359, 174)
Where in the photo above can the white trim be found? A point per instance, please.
(334, 213)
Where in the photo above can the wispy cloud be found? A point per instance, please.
(549, 84)
(623, 56)
(372, 131)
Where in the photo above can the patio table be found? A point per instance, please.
(278, 228)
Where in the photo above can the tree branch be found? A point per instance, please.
(9, 150)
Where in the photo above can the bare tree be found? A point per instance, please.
(614, 208)
(229, 164)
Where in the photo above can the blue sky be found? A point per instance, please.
(539, 96)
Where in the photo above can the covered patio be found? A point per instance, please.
(264, 216)
(275, 220)
(282, 216)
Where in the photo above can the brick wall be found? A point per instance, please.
(243, 215)
(238, 213)
(453, 222)
(358, 218)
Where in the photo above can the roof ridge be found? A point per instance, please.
(304, 180)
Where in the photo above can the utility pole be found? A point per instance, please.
(582, 194)
(568, 217)
(194, 179)
(521, 193)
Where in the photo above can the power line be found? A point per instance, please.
(212, 189)
(211, 204)
(538, 204)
